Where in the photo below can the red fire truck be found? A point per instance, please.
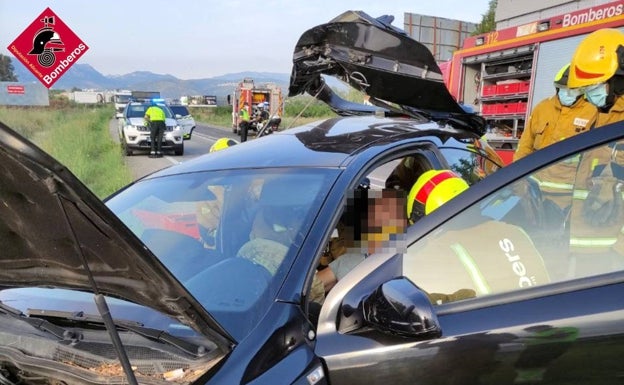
(505, 72)
(254, 95)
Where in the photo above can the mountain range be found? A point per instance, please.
(85, 77)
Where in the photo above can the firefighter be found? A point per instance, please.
(556, 118)
(243, 125)
(476, 260)
(598, 68)
(559, 117)
(155, 118)
(222, 144)
(597, 217)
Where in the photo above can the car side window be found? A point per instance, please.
(529, 234)
(473, 165)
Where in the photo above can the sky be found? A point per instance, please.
(202, 39)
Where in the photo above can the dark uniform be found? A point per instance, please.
(155, 117)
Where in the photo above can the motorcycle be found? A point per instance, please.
(268, 127)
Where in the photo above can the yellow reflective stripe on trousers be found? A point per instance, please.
(471, 266)
(592, 242)
(582, 194)
(558, 186)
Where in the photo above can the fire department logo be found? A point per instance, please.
(48, 48)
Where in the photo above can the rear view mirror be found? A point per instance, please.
(399, 307)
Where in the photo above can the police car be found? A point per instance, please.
(157, 285)
(184, 118)
(134, 134)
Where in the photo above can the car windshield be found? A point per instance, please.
(229, 236)
(181, 110)
(138, 110)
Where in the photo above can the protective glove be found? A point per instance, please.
(603, 206)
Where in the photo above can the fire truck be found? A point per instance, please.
(504, 73)
(255, 95)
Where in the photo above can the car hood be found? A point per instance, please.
(56, 233)
(376, 58)
(169, 122)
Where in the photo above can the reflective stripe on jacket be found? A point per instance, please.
(551, 122)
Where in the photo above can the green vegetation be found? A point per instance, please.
(488, 19)
(78, 136)
(7, 73)
(298, 110)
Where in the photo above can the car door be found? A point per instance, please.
(513, 297)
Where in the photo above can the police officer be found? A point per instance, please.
(155, 118)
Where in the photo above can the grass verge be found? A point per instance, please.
(79, 138)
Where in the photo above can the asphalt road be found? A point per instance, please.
(203, 137)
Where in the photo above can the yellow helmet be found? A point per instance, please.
(596, 58)
(222, 143)
(562, 77)
(431, 190)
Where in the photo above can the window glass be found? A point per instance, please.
(229, 236)
(472, 166)
(181, 110)
(562, 222)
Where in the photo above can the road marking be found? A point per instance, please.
(172, 160)
(205, 137)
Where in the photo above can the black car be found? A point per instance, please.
(157, 284)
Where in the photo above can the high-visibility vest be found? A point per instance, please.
(155, 114)
(244, 114)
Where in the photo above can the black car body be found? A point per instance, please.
(142, 287)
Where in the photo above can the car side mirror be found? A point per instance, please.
(119, 115)
(399, 307)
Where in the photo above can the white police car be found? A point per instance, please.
(135, 135)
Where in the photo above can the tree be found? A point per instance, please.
(6, 69)
(488, 20)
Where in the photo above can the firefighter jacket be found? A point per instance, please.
(598, 183)
(488, 258)
(549, 123)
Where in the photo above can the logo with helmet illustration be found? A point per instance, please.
(48, 47)
(431, 190)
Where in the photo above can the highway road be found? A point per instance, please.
(203, 137)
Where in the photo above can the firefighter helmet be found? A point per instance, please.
(222, 143)
(431, 190)
(597, 58)
(561, 78)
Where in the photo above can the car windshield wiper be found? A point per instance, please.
(50, 316)
(41, 324)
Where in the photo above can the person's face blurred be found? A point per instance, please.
(386, 217)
